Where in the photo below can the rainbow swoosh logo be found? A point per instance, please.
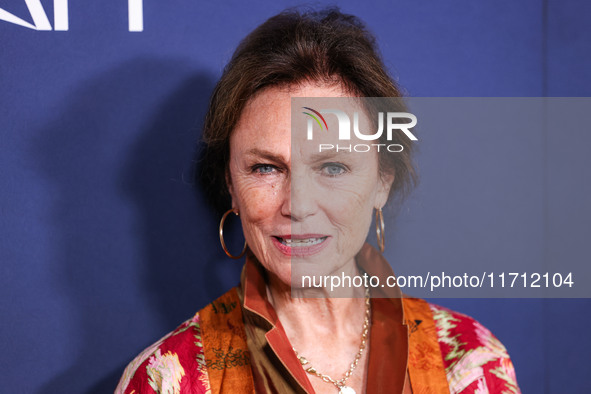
(315, 117)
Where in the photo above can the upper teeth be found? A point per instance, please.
(302, 242)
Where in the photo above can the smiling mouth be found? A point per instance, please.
(301, 242)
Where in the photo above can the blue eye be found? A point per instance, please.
(263, 169)
(334, 169)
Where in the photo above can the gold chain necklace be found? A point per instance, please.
(340, 383)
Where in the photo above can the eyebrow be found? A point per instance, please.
(266, 155)
(314, 158)
(322, 156)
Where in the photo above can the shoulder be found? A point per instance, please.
(169, 365)
(176, 363)
(474, 359)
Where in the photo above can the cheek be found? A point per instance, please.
(357, 194)
(257, 200)
(350, 209)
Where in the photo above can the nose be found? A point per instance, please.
(299, 201)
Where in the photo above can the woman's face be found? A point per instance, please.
(298, 205)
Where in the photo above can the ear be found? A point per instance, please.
(230, 186)
(385, 182)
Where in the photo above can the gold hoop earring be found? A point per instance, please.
(222, 236)
(380, 230)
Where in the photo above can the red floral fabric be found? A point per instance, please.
(475, 361)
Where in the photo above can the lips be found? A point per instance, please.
(301, 244)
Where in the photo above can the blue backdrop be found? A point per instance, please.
(105, 245)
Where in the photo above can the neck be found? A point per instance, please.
(309, 318)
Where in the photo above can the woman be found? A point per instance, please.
(309, 211)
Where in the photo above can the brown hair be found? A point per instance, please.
(326, 47)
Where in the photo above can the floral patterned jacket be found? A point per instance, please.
(474, 361)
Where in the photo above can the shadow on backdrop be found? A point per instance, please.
(138, 250)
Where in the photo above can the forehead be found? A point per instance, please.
(265, 121)
(269, 111)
